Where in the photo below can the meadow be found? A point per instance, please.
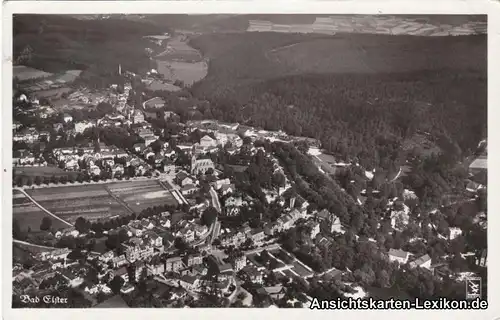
(29, 215)
(139, 195)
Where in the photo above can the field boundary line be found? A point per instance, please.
(42, 208)
(117, 199)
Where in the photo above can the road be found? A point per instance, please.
(42, 208)
(215, 200)
(397, 176)
(215, 226)
(33, 245)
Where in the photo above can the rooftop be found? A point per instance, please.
(398, 253)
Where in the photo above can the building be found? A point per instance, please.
(188, 189)
(315, 229)
(67, 118)
(422, 262)
(219, 183)
(201, 166)
(257, 235)
(208, 142)
(399, 256)
(137, 252)
(173, 264)
(127, 288)
(139, 147)
(119, 261)
(189, 282)
(228, 189)
(183, 179)
(107, 256)
(251, 274)
(239, 263)
(168, 166)
(192, 260)
(483, 259)
(155, 103)
(276, 292)
(122, 273)
(479, 164)
(153, 239)
(138, 116)
(156, 268)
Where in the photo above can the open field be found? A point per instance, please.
(186, 72)
(243, 59)
(29, 215)
(181, 62)
(298, 267)
(178, 50)
(52, 93)
(301, 270)
(69, 203)
(24, 73)
(395, 25)
(139, 195)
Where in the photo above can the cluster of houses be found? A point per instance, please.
(91, 156)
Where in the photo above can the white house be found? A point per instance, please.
(422, 262)
(399, 256)
(315, 228)
(83, 125)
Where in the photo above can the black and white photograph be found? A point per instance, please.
(308, 161)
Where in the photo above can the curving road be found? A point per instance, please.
(215, 226)
(42, 208)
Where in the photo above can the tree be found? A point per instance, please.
(46, 224)
(76, 255)
(278, 179)
(179, 244)
(38, 180)
(16, 230)
(82, 225)
(209, 216)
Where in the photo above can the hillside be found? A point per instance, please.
(58, 43)
(362, 95)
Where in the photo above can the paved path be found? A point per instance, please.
(33, 245)
(42, 208)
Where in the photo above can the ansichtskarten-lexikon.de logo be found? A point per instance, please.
(473, 288)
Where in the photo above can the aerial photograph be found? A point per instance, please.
(248, 160)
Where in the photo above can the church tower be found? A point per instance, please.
(119, 69)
